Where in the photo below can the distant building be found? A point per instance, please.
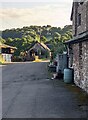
(38, 49)
(6, 52)
(78, 46)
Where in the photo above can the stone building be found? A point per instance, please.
(78, 46)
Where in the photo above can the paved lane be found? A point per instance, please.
(28, 93)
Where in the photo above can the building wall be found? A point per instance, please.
(1, 58)
(6, 57)
(80, 49)
(74, 20)
(83, 10)
(87, 14)
(80, 64)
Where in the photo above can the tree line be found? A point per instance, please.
(22, 38)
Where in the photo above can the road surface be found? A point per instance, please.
(27, 92)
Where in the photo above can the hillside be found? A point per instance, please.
(23, 37)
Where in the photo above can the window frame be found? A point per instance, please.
(79, 21)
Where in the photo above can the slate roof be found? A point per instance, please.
(41, 44)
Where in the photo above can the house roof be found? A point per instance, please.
(44, 46)
(6, 46)
(49, 46)
(71, 18)
(41, 44)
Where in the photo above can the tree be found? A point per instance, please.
(43, 39)
(2, 40)
(22, 38)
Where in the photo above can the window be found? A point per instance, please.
(79, 19)
(6, 50)
(81, 3)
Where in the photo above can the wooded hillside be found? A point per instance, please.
(23, 37)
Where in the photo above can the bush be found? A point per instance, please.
(16, 59)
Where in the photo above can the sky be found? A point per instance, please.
(20, 13)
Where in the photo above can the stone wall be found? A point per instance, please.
(80, 64)
(87, 15)
(83, 10)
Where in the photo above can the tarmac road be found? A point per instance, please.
(27, 92)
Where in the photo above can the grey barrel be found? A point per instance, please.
(68, 75)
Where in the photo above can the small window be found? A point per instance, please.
(81, 3)
(79, 19)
